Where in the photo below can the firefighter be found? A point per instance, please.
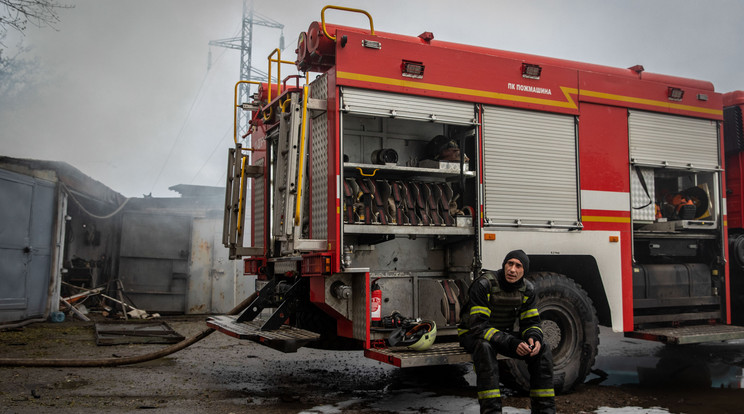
(496, 302)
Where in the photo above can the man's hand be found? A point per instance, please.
(531, 348)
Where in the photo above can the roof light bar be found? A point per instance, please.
(412, 69)
(675, 94)
(531, 71)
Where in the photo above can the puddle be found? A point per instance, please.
(718, 365)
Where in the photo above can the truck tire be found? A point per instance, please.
(736, 249)
(570, 327)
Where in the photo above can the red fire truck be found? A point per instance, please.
(733, 127)
(408, 164)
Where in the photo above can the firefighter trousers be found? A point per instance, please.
(540, 367)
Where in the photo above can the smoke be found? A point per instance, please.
(122, 84)
(122, 91)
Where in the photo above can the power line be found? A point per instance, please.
(244, 43)
(220, 144)
(180, 132)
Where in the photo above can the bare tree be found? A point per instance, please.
(16, 69)
(18, 14)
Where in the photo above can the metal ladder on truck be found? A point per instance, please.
(279, 294)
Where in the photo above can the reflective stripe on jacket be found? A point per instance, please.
(493, 313)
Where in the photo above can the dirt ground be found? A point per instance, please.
(224, 375)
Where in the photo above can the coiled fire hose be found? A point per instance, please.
(112, 362)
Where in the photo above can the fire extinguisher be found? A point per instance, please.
(375, 304)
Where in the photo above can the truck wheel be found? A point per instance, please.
(570, 327)
(736, 248)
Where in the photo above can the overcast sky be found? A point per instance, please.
(123, 92)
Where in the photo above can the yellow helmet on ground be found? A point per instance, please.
(417, 336)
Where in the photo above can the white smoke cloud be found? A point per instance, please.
(123, 86)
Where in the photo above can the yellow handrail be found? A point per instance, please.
(361, 172)
(302, 154)
(240, 196)
(279, 62)
(322, 19)
(235, 112)
(283, 105)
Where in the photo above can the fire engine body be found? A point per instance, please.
(577, 164)
(733, 104)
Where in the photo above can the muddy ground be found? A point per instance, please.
(221, 374)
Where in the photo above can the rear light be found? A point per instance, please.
(317, 264)
(412, 69)
(254, 266)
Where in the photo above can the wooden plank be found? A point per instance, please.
(136, 333)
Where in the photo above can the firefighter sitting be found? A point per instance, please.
(496, 301)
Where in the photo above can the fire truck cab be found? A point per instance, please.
(733, 103)
(406, 165)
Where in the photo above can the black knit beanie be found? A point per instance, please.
(519, 255)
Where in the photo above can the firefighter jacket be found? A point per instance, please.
(500, 312)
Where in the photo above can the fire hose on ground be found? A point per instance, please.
(111, 362)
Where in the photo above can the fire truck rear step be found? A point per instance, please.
(692, 334)
(286, 339)
(403, 357)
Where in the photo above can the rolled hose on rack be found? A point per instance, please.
(112, 362)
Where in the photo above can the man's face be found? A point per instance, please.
(513, 270)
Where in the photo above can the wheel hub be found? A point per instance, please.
(551, 333)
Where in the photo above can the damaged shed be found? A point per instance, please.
(61, 228)
(37, 244)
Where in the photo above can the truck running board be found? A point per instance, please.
(403, 357)
(286, 339)
(692, 334)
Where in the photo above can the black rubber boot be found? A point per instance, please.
(490, 405)
(542, 405)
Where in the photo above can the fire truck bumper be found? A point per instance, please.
(692, 334)
(286, 339)
(403, 357)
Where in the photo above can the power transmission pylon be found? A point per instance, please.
(244, 43)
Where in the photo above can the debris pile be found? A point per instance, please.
(108, 305)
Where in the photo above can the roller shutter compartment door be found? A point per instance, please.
(530, 172)
(673, 141)
(386, 104)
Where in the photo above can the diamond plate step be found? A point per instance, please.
(439, 354)
(286, 339)
(692, 334)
